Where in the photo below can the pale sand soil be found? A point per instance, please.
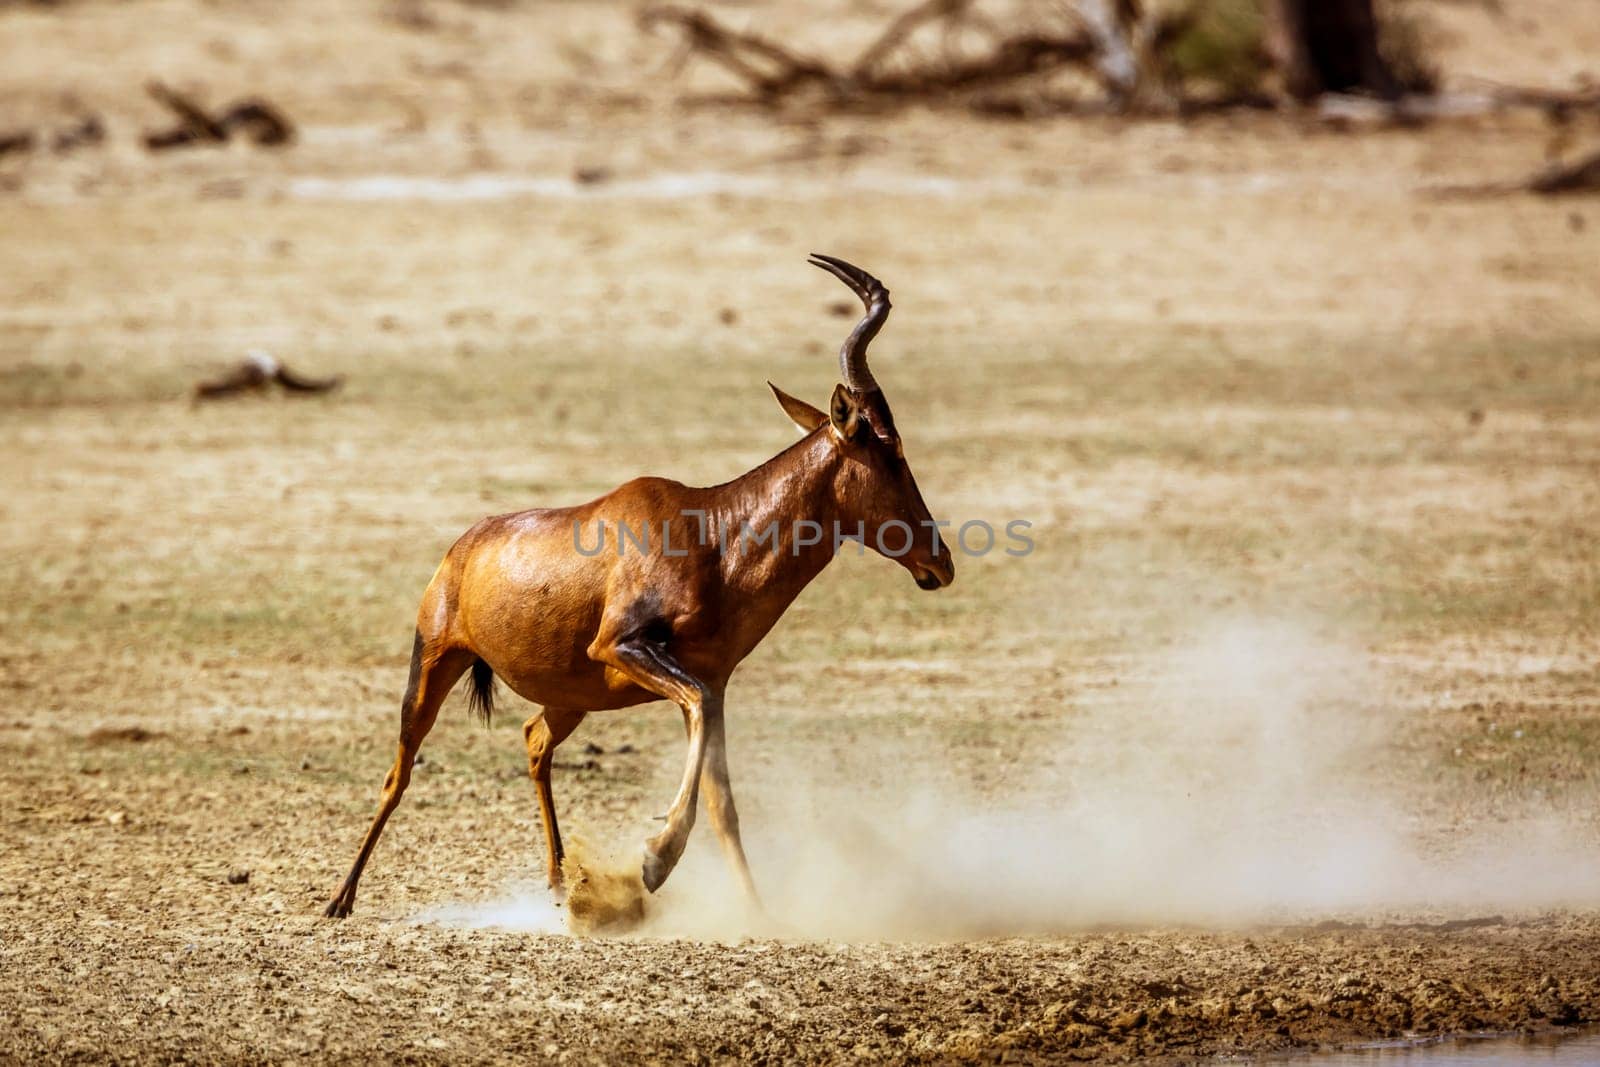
(1227, 369)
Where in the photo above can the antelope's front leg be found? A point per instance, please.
(662, 852)
(649, 664)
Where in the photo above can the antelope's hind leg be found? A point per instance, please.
(430, 682)
(543, 733)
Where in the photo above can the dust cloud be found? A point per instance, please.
(604, 894)
(1239, 779)
(1240, 783)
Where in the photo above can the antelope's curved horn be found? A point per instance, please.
(875, 298)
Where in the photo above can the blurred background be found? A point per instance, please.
(1275, 319)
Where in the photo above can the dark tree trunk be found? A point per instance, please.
(1331, 46)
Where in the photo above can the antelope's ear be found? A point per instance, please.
(844, 412)
(803, 415)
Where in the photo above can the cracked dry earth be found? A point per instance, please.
(407, 994)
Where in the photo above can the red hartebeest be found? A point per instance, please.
(658, 590)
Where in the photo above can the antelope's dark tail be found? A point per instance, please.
(480, 698)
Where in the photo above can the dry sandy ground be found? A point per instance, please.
(1287, 734)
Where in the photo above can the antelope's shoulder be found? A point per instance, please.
(649, 495)
(494, 528)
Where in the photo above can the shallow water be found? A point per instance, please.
(1547, 1050)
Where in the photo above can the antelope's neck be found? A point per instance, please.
(779, 519)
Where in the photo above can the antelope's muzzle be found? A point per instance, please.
(935, 573)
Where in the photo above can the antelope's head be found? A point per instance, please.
(874, 490)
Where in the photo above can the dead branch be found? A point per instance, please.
(1128, 47)
(1557, 179)
(768, 68)
(882, 70)
(260, 122)
(899, 29)
(1014, 58)
(1113, 52)
(255, 373)
(194, 126)
(1559, 105)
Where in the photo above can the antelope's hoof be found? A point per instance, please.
(337, 908)
(655, 870)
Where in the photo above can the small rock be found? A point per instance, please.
(131, 734)
(239, 877)
(1129, 1020)
(1074, 1034)
(592, 749)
